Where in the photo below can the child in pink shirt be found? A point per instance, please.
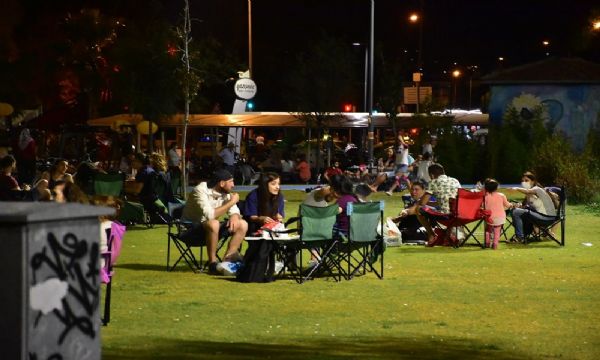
(496, 203)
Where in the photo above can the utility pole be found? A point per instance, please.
(371, 131)
(250, 37)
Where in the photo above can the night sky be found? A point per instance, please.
(468, 32)
(456, 33)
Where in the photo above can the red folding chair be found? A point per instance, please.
(467, 208)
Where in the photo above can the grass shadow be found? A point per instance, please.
(326, 348)
(142, 267)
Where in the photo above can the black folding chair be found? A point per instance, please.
(185, 235)
(544, 226)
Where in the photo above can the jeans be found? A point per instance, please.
(523, 217)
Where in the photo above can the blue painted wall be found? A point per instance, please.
(572, 109)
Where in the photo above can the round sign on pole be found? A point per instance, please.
(245, 88)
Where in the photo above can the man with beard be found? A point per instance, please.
(205, 205)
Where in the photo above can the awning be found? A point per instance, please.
(284, 119)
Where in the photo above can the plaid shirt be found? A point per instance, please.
(443, 188)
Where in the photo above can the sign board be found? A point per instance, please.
(245, 89)
(417, 77)
(410, 94)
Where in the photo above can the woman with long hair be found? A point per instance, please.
(265, 204)
(537, 205)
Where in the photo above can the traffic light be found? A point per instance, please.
(347, 107)
(250, 105)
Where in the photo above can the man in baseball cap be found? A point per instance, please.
(205, 205)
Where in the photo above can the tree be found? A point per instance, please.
(320, 81)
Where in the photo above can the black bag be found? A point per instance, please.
(259, 263)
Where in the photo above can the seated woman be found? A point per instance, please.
(537, 205)
(346, 195)
(57, 174)
(407, 220)
(265, 204)
(157, 186)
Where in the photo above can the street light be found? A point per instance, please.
(366, 75)
(455, 74)
(596, 25)
(546, 45)
(250, 38)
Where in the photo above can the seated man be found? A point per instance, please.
(443, 188)
(407, 221)
(206, 203)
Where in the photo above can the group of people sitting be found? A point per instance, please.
(211, 200)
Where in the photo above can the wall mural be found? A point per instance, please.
(64, 295)
(570, 109)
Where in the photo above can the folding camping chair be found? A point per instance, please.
(180, 233)
(363, 246)
(114, 236)
(544, 227)
(467, 208)
(316, 234)
(109, 184)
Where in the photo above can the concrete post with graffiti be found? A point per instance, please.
(50, 288)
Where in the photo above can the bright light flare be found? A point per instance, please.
(456, 73)
(545, 42)
(414, 17)
(596, 25)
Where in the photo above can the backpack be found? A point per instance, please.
(258, 264)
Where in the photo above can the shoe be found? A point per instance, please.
(516, 239)
(235, 257)
(212, 269)
(278, 267)
(228, 268)
(389, 193)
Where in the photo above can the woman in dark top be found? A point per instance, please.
(9, 187)
(265, 204)
(342, 224)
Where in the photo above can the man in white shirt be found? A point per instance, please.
(205, 205)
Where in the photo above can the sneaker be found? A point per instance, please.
(213, 268)
(278, 267)
(235, 257)
(228, 268)
(389, 193)
(516, 239)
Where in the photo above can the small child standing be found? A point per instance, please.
(497, 204)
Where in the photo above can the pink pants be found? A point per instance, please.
(492, 231)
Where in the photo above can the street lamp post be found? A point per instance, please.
(250, 38)
(455, 74)
(371, 132)
(366, 75)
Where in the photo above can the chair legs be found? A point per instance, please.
(106, 316)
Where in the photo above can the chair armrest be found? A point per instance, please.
(292, 220)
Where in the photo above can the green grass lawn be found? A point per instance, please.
(538, 301)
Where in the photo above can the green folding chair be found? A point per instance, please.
(316, 233)
(363, 247)
(109, 184)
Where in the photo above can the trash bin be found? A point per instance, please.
(50, 286)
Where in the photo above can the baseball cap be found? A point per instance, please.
(221, 175)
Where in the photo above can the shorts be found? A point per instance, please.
(196, 236)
